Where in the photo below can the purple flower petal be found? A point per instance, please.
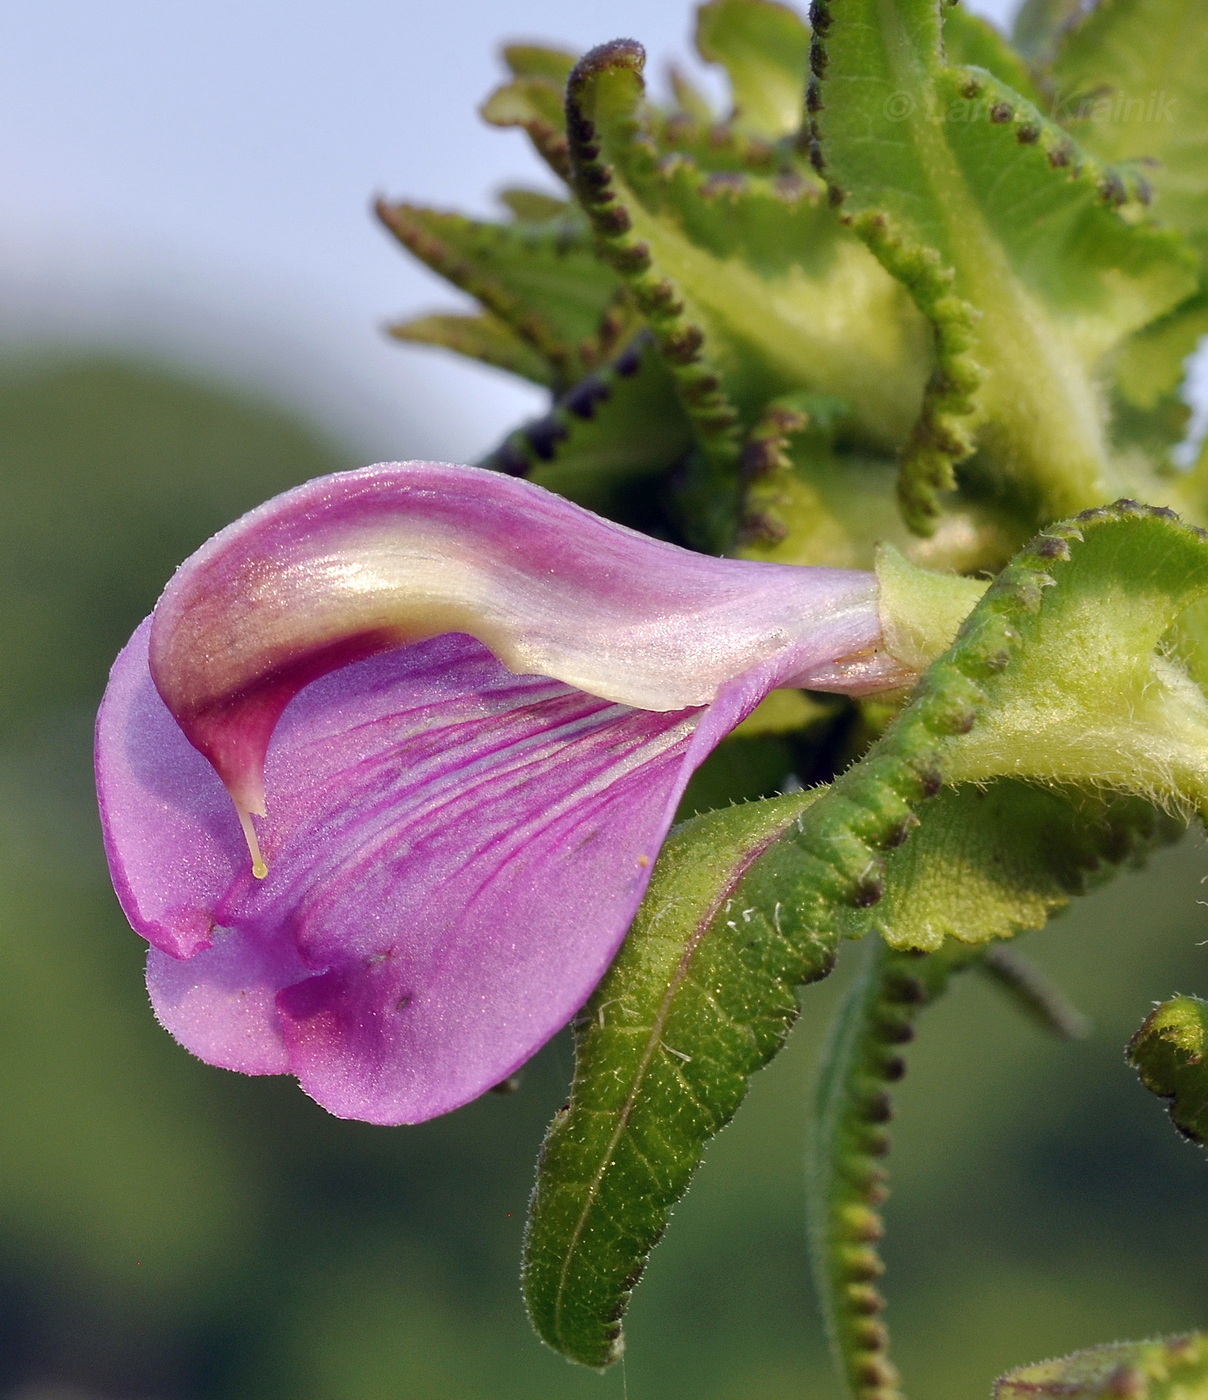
(455, 850)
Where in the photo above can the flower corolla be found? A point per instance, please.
(383, 777)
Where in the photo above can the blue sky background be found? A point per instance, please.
(193, 179)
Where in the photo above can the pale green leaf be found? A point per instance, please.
(484, 338)
(1151, 366)
(543, 280)
(1040, 23)
(539, 61)
(764, 47)
(534, 103)
(991, 862)
(771, 292)
(1173, 1368)
(971, 41)
(532, 206)
(1131, 83)
(1090, 696)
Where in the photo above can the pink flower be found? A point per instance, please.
(456, 714)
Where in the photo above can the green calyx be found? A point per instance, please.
(921, 610)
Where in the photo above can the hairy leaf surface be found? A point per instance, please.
(642, 1105)
(990, 862)
(1173, 1368)
(1009, 240)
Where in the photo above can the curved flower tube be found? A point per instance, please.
(464, 711)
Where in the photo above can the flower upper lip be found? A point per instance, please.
(360, 562)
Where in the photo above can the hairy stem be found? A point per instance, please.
(847, 1178)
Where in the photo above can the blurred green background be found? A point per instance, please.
(171, 1232)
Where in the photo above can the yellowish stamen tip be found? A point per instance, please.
(259, 866)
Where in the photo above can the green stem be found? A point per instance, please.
(847, 1178)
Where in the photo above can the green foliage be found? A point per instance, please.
(1090, 696)
(764, 47)
(484, 337)
(970, 41)
(1011, 243)
(1175, 1368)
(538, 281)
(990, 861)
(1130, 80)
(1170, 1052)
(1040, 23)
(980, 863)
(168, 1230)
(608, 442)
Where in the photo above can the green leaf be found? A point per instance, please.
(1170, 1052)
(1174, 1368)
(808, 500)
(1008, 239)
(764, 47)
(542, 280)
(991, 862)
(750, 282)
(642, 1105)
(485, 338)
(690, 101)
(607, 442)
(1150, 367)
(804, 501)
(534, 103)
(1090, 696)
(1131, 82)
(539, 61)
(533, 206)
